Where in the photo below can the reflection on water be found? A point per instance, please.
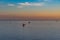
(36, 30)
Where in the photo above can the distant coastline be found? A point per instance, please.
(30, 20)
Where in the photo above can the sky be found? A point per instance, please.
(29, 9)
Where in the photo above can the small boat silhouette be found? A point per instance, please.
(23, 25)
(29, 22)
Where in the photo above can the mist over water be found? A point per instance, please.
(36, 30)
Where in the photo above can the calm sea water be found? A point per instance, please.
(36, 30)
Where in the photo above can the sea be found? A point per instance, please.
(35, 30)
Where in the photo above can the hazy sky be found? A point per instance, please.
(39, 9)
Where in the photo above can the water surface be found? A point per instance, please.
(36, 30)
